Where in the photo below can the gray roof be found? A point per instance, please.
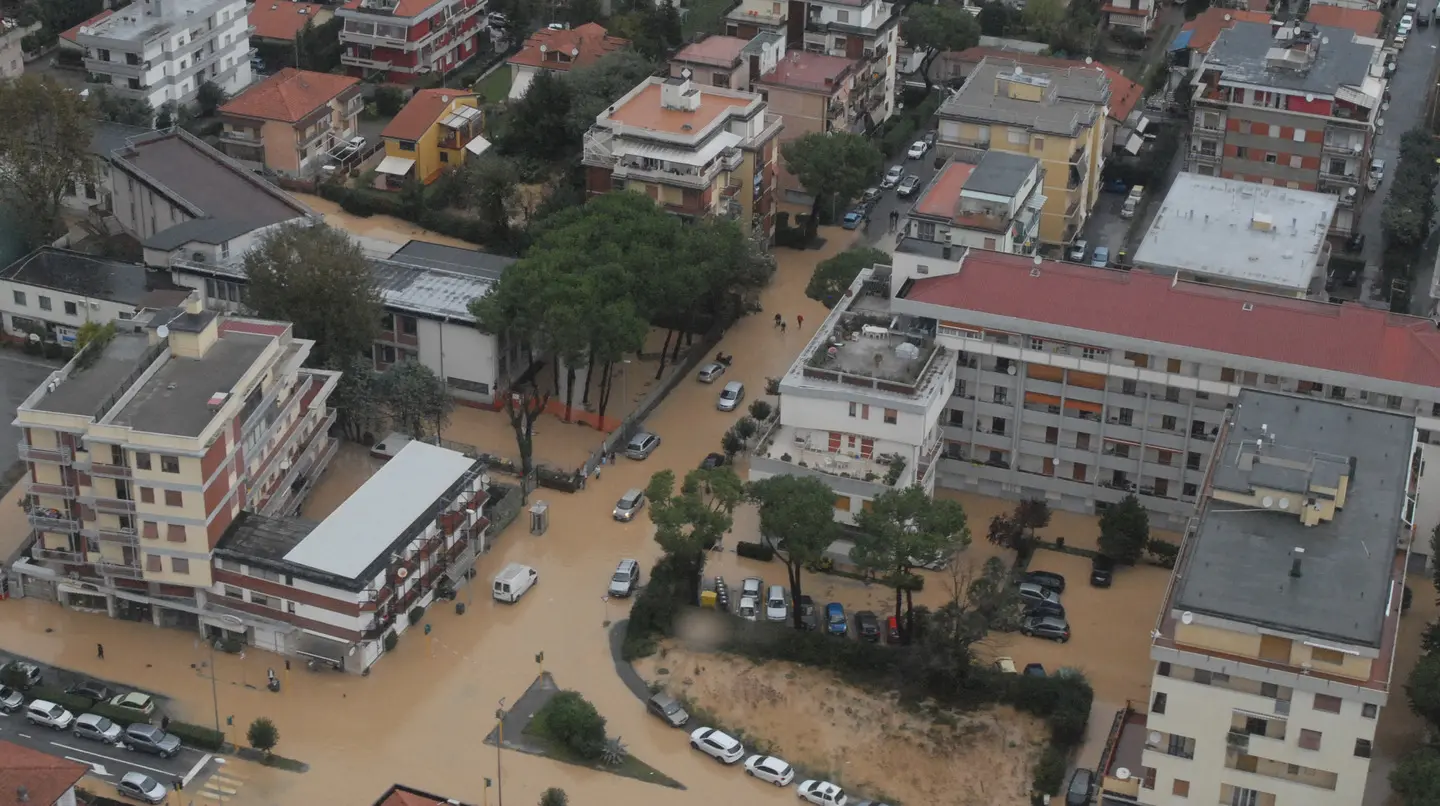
(1000, 173)
(90, 390)
(361, 530)
(175, 398)
(435, 280)
(90, 276)
(106, 136)
(200, 230)
(1072, 97)
(1240, 54)
(259, 540)
(1240, 563)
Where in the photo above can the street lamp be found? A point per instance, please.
(214, 691)
(499, 740)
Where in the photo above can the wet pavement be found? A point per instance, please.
(880, 235)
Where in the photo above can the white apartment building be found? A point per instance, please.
(53, 292)
(1275, 646)
(1081, 385)
(994, 204)
(163, 50)
(860, 407)
(868, 30)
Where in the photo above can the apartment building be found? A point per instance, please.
(437, 128)
(1275, 646)
(557, 51)
(145, 447)
(291, 122)
(98, 193)
(51, 293)
(398, 40)
(331, 591)
(1056, 115)
(815, 94)
(1243, 235)
(1130, 15)
(279, 22)
(1293, 106)
(993, 204)
(717, 61)
(1193, 43)
(163, 50)
(754, 17)
(695, 150)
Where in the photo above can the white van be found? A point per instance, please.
(48, 714)
(512, 582)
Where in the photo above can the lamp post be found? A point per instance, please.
(499, 740)
(214, 688)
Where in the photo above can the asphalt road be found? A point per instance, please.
(107, 763)
(890, 201)
(19, 375)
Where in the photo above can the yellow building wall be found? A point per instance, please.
(280, 151)
(1248, 645)
(427, 150)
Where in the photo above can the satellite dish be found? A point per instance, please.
(1122, 773)
(544, 48)
(1037, 259)
(1310, 96)
(1324, 40)
(1010, 369)
(401, 573)
(34, 338)
(1267, 502)
(163, 331)
(1285, 502)
(574, 52)
(1228, 18)
(1019, 71)
(1351, 192)
(686, 73)
(1187, 617)
(1089, 60)
(1154, 737)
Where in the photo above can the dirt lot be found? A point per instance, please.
(866, 743)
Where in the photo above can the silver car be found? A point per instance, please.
(709, 372)
(629, 504)
(641, 445)
(730, 396)
(96, 728)
(141, 787)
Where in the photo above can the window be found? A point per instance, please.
(1274, 130)
(1121, 450)
(387, 322)
(1369, 710)
(19, 297)
(1172, 394)
(151, 530)
(1158, 707)
(1180, 789)
(1309, 739)
(386, 353)
(1269, 690)
(169, 464)
(444, 156)
(405, 145)
(260, 599)
(1337, 393)
(147, 495)
(982, 135)
(180, 565)
(1362, 748)
(865, 411)
(1037, 344)
(1167, 422)
(842, 17)
(142, 461)
(1163, 669)
(1127, 416)
(1127, 387)
(1017, 137)
(71, 309)
(853, 406)
(233, 592)
(957, 418)
(1327, 703)
(174, 533)
(997, 426)
(891, 416)
(1038, 144)
(997, 394)
(1296, 161)
(1147, 777)
(224, 290)
(1299, 135)
(1330, 656)
(45, 303)
(1393, 401)
(1272, 379)
(152, 562)
(1202, 676)
(173, 498)
(1192, 460)
(1182, 746)
(1271, 158)
(1244, 797)
(1243, 153)
(1189, 490)
(408, 325)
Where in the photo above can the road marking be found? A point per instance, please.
(27, 736)
(195, 770)
(168, 774)
(97, 769)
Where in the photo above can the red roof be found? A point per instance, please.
(283, 19)
(44, 778)
(289, 95)
(401, 795)
(405, 8)
(1206, 27)
(1139, 305)
(70, 35)
(943, 195)
(1124, 93)
(585, 44)
(1362, 21)
(420, 114)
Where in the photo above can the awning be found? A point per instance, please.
(461, 116)
(1083, 405)
(478, 146)
(319, 647)
(1132, 145)
(1042, 400)
(698, 157)
(1142, 124)
(1182, 41)
(395, 166)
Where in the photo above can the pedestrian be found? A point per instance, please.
(782, 326)
(779, 320)
(100, 651)
(164, 723)
(799, 321)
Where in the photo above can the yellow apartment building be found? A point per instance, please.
(437, 129)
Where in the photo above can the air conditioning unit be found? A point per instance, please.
(198, 257)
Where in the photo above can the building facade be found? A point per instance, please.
(1056, 115)
(558, 50)
(1133, 15)
(163, 50)
(144, 448)
(994, 204)
(438, 128)
(399, 40)
(867, 31)
(697, 151)
(291, 122)
(1292, 106)
(52, 293)
(813, 93)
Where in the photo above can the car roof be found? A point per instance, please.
(626, 564)
(834, 606)
(89, 719)
(640, 437)
(139, 778)
(633, 492)
(1051, 621)
(732, 385)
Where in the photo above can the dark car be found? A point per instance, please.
(1056, 629)
(908, 186)
(150, 739)
(835, 623)
(1082, 787)
(1115, 186)
(1034, 670)
(867, 624)
(809, 619)
(1102, 571)
(1046, 579)
(668, 709)
(20, 674)
(91, 690)
(1355, 243)
(1045, 609)
(712, 461)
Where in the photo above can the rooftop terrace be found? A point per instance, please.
(176, 398)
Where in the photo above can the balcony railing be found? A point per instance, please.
(106, 471)
(1352, 175)
(119, 570)
(373, 64)
(61, 454)
(112, 534)
(243, 138)
(60, 490)
(45, 523)
(1348, 147)
(60, 555)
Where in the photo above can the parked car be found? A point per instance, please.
(138, 703)
(1006, 665)
(1056, 629)
(1082, 787)
(91, 689)
(641, 446)
(870, 196)
(629, 504)
(867, 626)
(47, 714)
(667, 708)
(1406, 23)
(752, 587)
(1377, 175)
(152, 740)
(892, 630)
(1035, 670)
(777, 604)
(908, 186)
(917, 150)
(709, 372)
(1031, 594)
(1045, 579)
(1045, 609)
(731, 396)
(1102, 571)
(749, 608)
(717, 745)
(1355, 243)
(712, 461)
(141, 787)
(96, 728)
(809, 619)
(1101, 257)
(835, 623)
(930, 138)
(1079, 250)
(853, 219)
(821, 793)
(21, 673)
(1114, 186)
(625, 579)
(11, 700)
(893, 176)
(770, 769)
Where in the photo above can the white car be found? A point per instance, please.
(1406, 23)
(822, 793)
(752, 587)
(717, 745)
(749, 608)
(770, 769)
(893, 176)
(776, 606)
(917, 150)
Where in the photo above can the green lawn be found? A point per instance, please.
(495, 87)
(631, 767)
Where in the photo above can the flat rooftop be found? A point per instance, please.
(714, 51)
(84, 390)
(438, 281)
(942, 198)
(759, 12)
(90, 276)
(1242, 55)
(642, 109)
(1239, 565)
(1235, 230)
(133, 24)
(176, 398)
(1070, 98)
(362, 529)
(809, 72)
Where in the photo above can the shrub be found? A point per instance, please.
(71, 702)
(1406, 599)
(392, 640)
(416, 613)
(1162, 552)
(570, 719)
(755, 551)
(554, 796)
(388, 100)
(1049, 773)
(760, 410)
(198, 736)
(860, 662)
(263, 735)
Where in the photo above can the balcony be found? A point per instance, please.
(244, 137)
(106, 471)
(732, 160)
(654, 171)
(1350, 148)
(113, 68)
(370, 64)
(59, 555)
(59, 455)
(109, 504)
(348, 37)
(119, 570)
(112, 534)
(53, 523)
(58, 490)
(1349, 175)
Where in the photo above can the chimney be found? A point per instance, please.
(1296, 556)
(680, 93)
(949, 245)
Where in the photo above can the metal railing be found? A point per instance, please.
(62, 555)
(119, 570)
(105, 471)
(60, 454)
(112, 534)
(61, 490)
(48, 524)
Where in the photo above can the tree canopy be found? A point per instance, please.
(904, 530)
(1416, 779)
(691, 520)
(833, 167)
(44, 151)
(1124, 530)
(536, 125)
(415, 399)
(938, 28)
(835, 274)
(797, 516)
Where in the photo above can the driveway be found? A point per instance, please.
(880, 235)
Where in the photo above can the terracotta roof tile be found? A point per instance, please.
(283, 19)
(1362, 21)
(1138, 305)
(401, 795)
(591, 40)
(718, 51)
(943, 195)
(44, 777)
(1206, 27)
(289, 95)
(71, 34)
(813, 72)
(420, 114)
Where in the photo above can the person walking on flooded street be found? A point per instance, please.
(100, 651)
(779, 320)
(799, 321)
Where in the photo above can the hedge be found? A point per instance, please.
(198, 736)
(755, 551)
(124, 717)
(71, 702)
